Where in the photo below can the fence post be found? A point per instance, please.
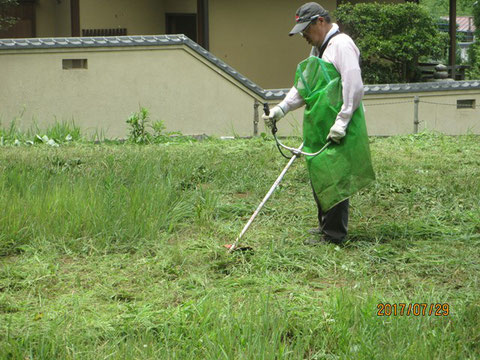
(416, 100)
(256, 104)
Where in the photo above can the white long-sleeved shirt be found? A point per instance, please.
(342, 52)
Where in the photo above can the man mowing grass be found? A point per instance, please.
(329, 84)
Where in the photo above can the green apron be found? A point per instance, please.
(342, 169)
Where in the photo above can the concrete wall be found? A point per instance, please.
(393, 114)
(45, 18)
(141, 17)
(63, 24)
(185, 91)
(184, 6)
(53, 18)
(118, 81)
(397, 118)
(252, 37)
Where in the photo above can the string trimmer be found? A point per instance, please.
(296, 152)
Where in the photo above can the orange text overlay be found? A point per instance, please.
(416, 309)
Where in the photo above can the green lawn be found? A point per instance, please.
(116, 251)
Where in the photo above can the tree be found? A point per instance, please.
(442, 7)
(476, 17)
(5, 20)
(391, 39)
(474, 51)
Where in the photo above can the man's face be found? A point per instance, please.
(315, 33)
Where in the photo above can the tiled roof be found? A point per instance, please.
(399, 88)
(422, 87)
(159, 40)
(86, 42)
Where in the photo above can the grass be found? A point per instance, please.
(59, 132)
(115, 251)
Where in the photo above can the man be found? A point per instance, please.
(338, 172)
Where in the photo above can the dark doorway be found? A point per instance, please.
(182, 24)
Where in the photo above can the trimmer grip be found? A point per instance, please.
(266, 109)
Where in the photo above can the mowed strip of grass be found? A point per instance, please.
(115, 251)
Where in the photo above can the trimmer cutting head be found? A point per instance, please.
(241, 248)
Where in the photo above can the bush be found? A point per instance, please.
(391, 39)
(474, 51)
(139, 132)
(474, 58)
(476, 17)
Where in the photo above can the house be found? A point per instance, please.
(98, 82)
(465, 33)
(249, 35)
(465, 27)
(111, 66)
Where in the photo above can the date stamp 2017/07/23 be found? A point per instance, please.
(416, 309)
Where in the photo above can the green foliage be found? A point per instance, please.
(476, 17)
(5, 20)
(138, 127)
(158, 128)
(474, 51)
(141, 132)
(391, 39)
(57, 133)
(441, 7)
(63, 131)
(474, 58)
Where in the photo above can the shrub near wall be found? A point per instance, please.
(391, 39)
(474, 57)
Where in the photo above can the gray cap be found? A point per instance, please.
(305, 15)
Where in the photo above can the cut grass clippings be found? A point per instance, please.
(116, 251)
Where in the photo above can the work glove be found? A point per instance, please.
(276, 113)
(336, 134)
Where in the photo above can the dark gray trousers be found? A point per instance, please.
(334, 222)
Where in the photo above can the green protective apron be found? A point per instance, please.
(342, 169)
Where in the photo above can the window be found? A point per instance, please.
(69, 64)
(466, 104)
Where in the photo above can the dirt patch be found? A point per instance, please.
(241, 195)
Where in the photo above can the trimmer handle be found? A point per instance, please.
(266, 109)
